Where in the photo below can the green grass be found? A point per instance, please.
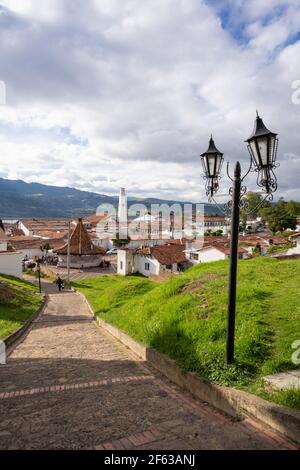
(18, 301)
(289, 398)
(185, 317)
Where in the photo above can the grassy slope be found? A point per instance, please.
(20, 300)
(185, 317)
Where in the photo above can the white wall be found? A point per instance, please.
(126, 262)
(295, 250)
(154, 268)
(77, 262)
(105, 243)
(3, 246)
(122, 262)
(21, 226)
(209, 255)
(129, 263)
(32, 252)
(11, 263)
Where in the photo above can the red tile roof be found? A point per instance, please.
(165, 254)
(52, 234)
(17, 232)
(226, 249)
(3, 236)
(94, 219)
(35, 225)
(23, 242)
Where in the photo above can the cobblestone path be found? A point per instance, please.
(69, 385)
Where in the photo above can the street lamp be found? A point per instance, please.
(263, 146)
(212, 162)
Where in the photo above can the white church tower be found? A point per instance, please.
(122, 212)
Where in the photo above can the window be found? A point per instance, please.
(121, 264)
(147, 266)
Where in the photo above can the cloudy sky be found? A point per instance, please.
(108, 93)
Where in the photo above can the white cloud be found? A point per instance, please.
(45, 10)
(102, 94)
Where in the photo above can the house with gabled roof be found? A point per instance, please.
(152, 260)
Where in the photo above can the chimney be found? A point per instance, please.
(122, 211)
(122, 215)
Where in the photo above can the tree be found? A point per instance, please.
(293, 208)
(280, 217)
(253, 207)
(45, 247)
(118, 242)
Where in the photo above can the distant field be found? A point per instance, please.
(185, 317)
(18, 301)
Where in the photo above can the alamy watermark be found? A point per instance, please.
(162, 221)
(296, 93)
(2, 353)
(2, 93)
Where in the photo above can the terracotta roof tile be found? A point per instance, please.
(3, 236)
(165, 254)
(94, 219)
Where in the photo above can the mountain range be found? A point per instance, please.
(19, 199)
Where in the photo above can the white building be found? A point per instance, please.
(211, 223)
(34, 227)
(209, 254)
(151, 261)
(102, 240)
(295, 250)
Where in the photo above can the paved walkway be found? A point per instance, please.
(69, 385)
(78, 275)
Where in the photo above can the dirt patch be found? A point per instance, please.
(204, 315)
(163, 277)
(193, 287)
(6, 293)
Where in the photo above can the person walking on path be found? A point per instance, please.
(59, 283)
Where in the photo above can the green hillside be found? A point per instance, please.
(18, 301)
(185, 317)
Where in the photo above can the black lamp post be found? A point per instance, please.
(39, 275)
(262, 145)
